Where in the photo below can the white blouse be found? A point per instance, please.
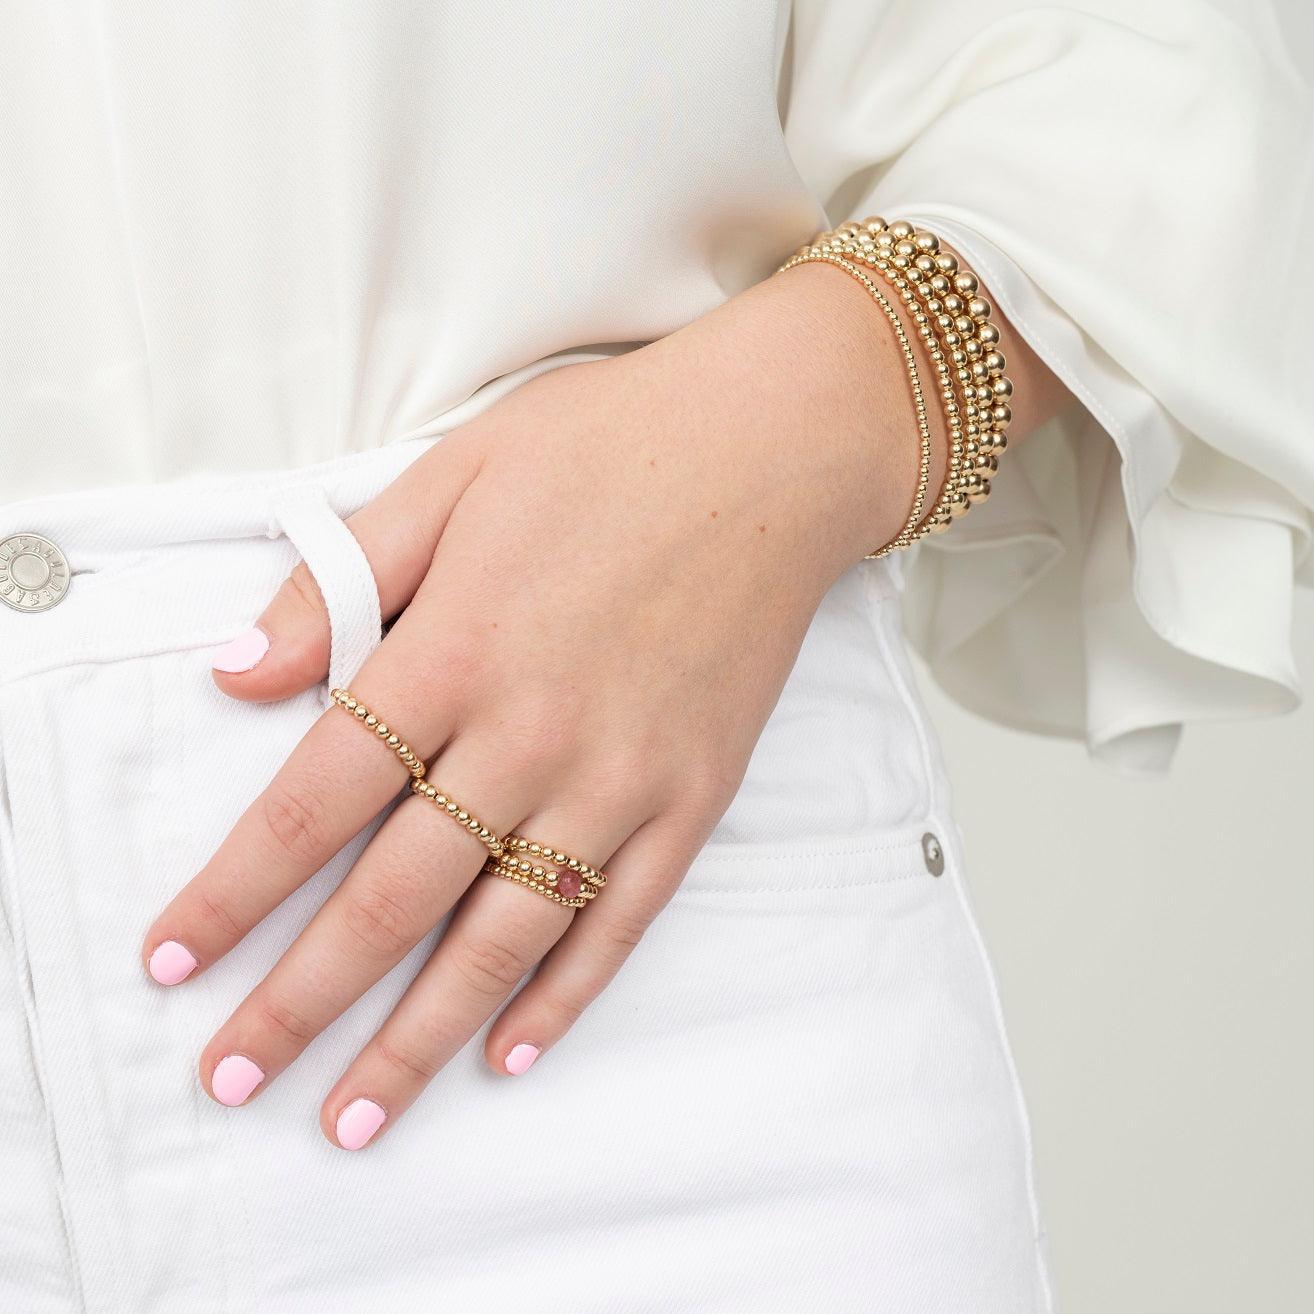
(241, 236)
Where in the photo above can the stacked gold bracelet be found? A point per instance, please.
(953, 320)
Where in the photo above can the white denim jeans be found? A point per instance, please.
(796, 1097)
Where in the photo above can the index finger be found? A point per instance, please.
(330, 787)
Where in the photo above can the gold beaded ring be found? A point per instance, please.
(450, 807)
(573, 874)
(344, 699)
(564, 887)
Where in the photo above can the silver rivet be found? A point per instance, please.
(33, 573)
(933, 854)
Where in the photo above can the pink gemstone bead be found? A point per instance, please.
(568, 884)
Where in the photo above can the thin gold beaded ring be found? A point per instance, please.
(344, 699)
(462, 816)
(560, 886)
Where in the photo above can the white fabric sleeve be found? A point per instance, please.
(1131, 182)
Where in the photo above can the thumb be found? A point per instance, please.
(287, 649)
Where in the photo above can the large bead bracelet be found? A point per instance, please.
(953, 320)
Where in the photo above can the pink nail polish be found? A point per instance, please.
(171, 963)
(358, 1122)
(519, 1059)
(242, 653)
(235, 1077)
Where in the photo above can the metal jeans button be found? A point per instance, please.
(933, 854)
(33, 573)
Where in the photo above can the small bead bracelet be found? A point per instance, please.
(905, 535)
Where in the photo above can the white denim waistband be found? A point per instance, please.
(131, 591)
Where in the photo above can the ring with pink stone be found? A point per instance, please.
(517, 844)
(547, 871)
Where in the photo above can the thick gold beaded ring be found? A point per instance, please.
(574, 873)
(559, 884)
(462, 816)
(345, 700)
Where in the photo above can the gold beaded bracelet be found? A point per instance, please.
(905, 535)
(952, 318)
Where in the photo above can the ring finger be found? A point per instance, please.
(500, 931)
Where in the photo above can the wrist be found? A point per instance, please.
(804, 374)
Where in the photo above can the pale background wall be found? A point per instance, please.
(1155, 947)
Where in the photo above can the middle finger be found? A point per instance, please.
(408, 878)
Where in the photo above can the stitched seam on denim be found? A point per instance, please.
(9, 861)
(803, 887)
(910, 702)
(954, 870)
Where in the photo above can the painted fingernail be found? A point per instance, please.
(520, 1058)
(171, 963)
(358, 1122)
(242, 653)
(235, 1077)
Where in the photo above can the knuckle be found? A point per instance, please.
(490, 965)
(215, 914)
(611, 944)
(294, 825)
(565, 1007)
(712, 784)
(409, 1062)
(545, 733)
(288, 1023)
(624, 932)
(381, 919)
(302, 589)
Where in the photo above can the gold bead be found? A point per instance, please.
(979, 308)
(988, 334)
(1002, 416)
(927, 242)
(946, 262)
(901, 229)
(966, 283)
(995, 362)
(1002, 387)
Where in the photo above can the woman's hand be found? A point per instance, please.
(601, 585)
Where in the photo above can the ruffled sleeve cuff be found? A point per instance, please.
(1123, 579)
